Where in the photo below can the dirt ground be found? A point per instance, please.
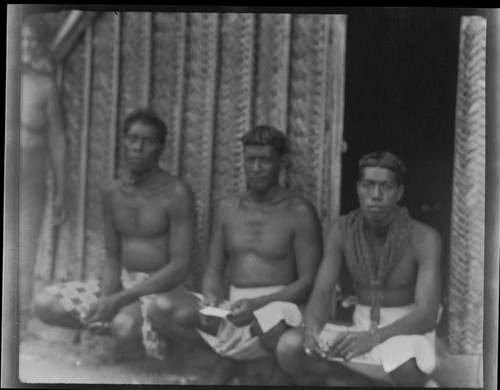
(50, 355)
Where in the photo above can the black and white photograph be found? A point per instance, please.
(251, 196)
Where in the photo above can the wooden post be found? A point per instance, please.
(81, 227)
(466, 285)
(492, 219)
(10, 285)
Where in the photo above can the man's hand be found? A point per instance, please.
(209, 323)
(348, 345)
(242, 312)
(313, 345)
(105, 309)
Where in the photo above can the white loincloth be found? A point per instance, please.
(391, 353)
(154, 344)
(238, 342)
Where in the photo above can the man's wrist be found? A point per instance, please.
(376, 337)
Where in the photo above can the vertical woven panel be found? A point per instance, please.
(101, 101)
(168, 81)
(211, 77)
(134, 62)
(272, 70)
(233, 103)
(115, 93)
(467, 225)
(201, 67)
(307, 104)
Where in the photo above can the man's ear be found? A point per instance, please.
(285, 161)
(401, 191)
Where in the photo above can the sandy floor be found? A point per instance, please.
(50, 356)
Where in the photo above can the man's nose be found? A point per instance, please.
(377, 191)
(138, 145)
(256, 165)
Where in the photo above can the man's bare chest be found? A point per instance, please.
(265, 229)
(400, 275)
(141, 216)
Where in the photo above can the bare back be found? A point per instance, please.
(259, 241)
(35, 90)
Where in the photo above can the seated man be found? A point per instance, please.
(393, 261)
(149, 230)
(269, 240)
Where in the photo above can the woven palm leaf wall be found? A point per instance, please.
(210, 77)
(466, 285)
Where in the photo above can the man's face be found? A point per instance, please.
(378, 194)
(30, 45)
(262, 167)
(143, 147)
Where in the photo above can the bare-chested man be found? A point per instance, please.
(43, 148)
(269, 242)
(393, 261)
(149, 228)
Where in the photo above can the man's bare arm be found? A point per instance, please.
(181, 241)
(319, 306)
(212, 286)
(110, 280)
(427, 291)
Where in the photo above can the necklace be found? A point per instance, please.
(130, 184)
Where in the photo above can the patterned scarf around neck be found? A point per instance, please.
(374, 272)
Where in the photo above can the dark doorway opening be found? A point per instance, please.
(401, 81)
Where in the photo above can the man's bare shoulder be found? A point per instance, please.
(421, 231)
(109, 187)
(299, 206)
(424, 237)
(229, 203)
(178, 189)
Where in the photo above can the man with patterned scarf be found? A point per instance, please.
(394, 263)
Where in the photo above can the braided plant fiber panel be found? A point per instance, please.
(134, 62)
(198, 117)
(273, 56)
(169, 37)
(210, 77)
(98, 143)
(307, 104)
(233, 103)
(467, 225)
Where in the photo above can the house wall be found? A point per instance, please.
(210, 77)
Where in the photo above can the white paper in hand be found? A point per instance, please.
(214, 311)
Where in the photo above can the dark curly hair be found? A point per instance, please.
(264, 135)
(383, 159)
(146, 117)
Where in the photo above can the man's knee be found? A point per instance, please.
(289, 350)
(47, 308)
(125, 327)
(162, 310)
(173, 309)
(269, 339)
(409, 375)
